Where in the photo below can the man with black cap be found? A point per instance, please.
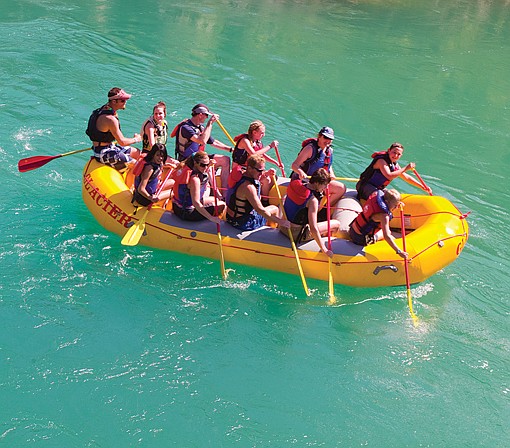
(318, 153)
(104, 128)
(191, 136)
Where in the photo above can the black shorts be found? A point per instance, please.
(140, 200)
(191, 215)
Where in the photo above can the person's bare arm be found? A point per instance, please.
(313, 208)
(388, 174)
(302, 157)
(107, 123)
(385, 226)
(144, 179)
(194, 188)
(251, 194)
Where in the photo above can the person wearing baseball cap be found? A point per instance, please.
(318, 153)
(109, 144)
(192, 136)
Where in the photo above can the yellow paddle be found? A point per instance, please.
(332, 298)
(226, 132)
(406, 268)
(347, 179)
(135, 232)
(218, 230)
(293, 244)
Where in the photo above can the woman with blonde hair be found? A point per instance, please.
(247, 145)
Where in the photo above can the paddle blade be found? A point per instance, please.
(135, 232)
(224, 273)
(332, 298)
(32, 163)
(410, 303)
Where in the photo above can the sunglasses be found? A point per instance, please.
(260, 170)
(121, 101)
(203, 165)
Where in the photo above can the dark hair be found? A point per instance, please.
(321, 177)
(199, 109)
(160, 104)
(155, 148)
(114, 91)
(396, 145)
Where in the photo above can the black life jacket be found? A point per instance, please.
(95, 134)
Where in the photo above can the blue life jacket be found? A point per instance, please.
(375, 204)
(182, 193)
(374, 176)
(318, 159)
(296, 201)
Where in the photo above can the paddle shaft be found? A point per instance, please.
(330, 271)
(348, 179)
(424, 185)
(34, 162)
(226, 132)
(293, 244)
(406, 265)
(218, 229)
(279, 160)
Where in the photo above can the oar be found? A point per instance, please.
(135, 232)
(226, 132)
(347, 179)
(293, 244)
(406, 267)
(32, 163)
(279, 160)
(424, 185)
(218, 230)
(332, 298)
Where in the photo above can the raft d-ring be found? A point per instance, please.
(391, 267)
(440, 243)
(460, 246)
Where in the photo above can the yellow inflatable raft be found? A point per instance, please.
(438, 234)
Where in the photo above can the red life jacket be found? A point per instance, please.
(140, 163)
(374, 204)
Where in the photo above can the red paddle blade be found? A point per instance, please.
(32, 163)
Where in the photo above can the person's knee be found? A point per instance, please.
(338, 187)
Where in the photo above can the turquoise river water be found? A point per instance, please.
(103, 345)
